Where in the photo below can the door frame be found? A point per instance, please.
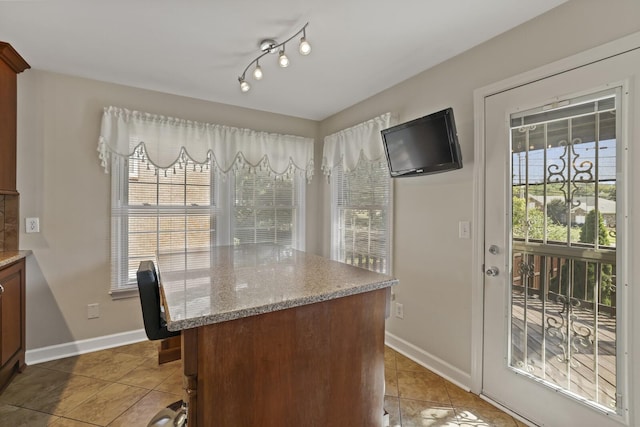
(596, 54)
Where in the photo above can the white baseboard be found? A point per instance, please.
(429, 361)
(60, 351)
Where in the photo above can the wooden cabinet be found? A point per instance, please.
(318, 364)
(11, 63)
(12, 314)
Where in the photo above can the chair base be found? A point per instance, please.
(175, 415)
(170, 349)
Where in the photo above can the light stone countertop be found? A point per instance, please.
(8, 257)
(230, 282)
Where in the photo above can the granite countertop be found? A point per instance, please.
(8, 257)
(229, 282)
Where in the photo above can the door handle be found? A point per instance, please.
(492, 271)
(1, 289)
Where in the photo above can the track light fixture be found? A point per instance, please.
(271, 46)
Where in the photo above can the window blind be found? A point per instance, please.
(361, 217)
(157, 211)
(267, 209)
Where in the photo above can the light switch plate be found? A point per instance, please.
(32, 225)
(464, 230)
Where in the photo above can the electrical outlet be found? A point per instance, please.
(32, 225)
(93, 311)
(399, 311)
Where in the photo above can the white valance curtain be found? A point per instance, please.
(165, 142)
(349, 145)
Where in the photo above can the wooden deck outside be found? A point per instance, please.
(578, 355)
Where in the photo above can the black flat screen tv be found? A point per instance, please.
(423, 146)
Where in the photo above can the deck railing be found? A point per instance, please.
(368, 261)
(563, 326)
(578, 273)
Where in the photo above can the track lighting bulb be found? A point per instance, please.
(305, 47)
(283, 61)
(257, 73)
(244, 86)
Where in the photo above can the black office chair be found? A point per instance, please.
(155, 326)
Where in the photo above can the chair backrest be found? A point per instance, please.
(154, 324)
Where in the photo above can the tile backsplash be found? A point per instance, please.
(9, 219)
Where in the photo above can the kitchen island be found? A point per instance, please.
(272, 336)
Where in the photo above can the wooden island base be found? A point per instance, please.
(320, 364)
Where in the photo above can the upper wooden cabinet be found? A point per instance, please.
(11, 63)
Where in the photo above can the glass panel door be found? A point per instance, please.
(563, 282)
(557, 333)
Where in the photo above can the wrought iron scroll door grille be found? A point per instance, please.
(563, 324)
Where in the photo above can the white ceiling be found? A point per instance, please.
(198, 48)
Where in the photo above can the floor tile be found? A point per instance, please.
(107, 365)
(140, 413)
(462, 398)
(32, 383)
(108, 404)
(390, 382)
(71, 393)
(113, 368)
(173, 384)
(483, 417)
(66, 422)
(13, 416)
(146, 349)
(403, 363)
(417, 413)
(392, 406)
(424, 386)
(65, 364)
(149, 374)
(389, 358)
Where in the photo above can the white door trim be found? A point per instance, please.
(615, 47)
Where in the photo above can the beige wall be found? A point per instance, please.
(61, 182)
(432, 264)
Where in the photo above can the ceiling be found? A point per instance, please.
(198, 48)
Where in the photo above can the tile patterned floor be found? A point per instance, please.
(415, 396)
(125, 386)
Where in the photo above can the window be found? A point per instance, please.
(157, 210)
(223, 185)
(267, 209)
(361, 216)
(187, 207)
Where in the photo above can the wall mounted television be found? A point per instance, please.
(423, 146)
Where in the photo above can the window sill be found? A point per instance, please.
(117, 294)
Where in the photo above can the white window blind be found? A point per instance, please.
(361, 216)
(267, 209)
(156, 211)
(361, 195)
